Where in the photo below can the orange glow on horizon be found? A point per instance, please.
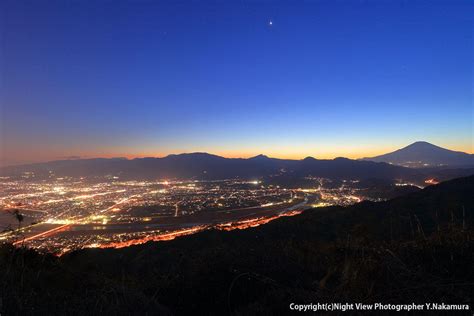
(351, 153)
(288, 152)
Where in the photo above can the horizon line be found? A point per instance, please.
(133, 157)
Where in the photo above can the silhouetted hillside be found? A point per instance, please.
(417, 248)
(423, 154)
(207, 166)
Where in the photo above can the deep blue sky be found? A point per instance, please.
(327, 78)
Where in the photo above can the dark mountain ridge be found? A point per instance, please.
(207, 166)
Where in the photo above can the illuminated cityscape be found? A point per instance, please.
(236, 157)
(64, 214)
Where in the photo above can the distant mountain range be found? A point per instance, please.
(207, 166)
(211, 167)
(424, 154)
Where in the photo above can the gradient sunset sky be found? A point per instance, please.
(236, 78)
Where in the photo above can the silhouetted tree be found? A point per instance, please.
(19, 217)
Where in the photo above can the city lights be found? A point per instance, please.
(64, 214)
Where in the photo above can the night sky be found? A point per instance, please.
(235, 78)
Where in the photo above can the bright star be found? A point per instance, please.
(270, 23)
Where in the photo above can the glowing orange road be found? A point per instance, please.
(243, 224)
(44, 234)
(161, 237)
(254, 222)
(431, 181)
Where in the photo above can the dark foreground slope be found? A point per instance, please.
(417, 248)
